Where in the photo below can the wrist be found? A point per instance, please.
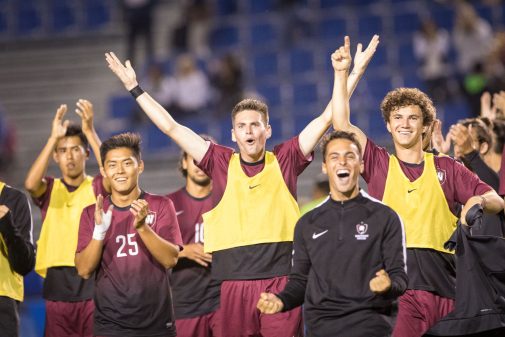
(482, 201)
(136, 91)
(99, 233)
(130, 86)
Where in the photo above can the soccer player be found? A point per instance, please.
(250, 231)
(129, 240)
(195, 293)
(17, 255)
(362, 237)
(69, 304)
(425, 190)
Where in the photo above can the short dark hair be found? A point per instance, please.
(402, 97)
(250, 104)
(127, 139)
(75, 130)
(339, 135)
(184, 154)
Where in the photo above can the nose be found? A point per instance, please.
(248, 129)
(120, 169)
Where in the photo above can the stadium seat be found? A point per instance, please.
(331, 28)
(305, 93)
(62, 15)
(261, 6)
(301, 60)
(271, 93)
(369, 25)
(265, 65)
(122, 106)
(406, 24)
(263, 33)
(97, 14)
(224, 36)
(28, 17)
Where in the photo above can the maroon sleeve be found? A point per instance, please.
(167, 226)
(501, 190)
(98, 187)
(375, 160)
(42, 201)
(86, 227)
(216, 159)
(466, 183)
(292, 162)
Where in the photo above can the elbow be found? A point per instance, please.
(85, 274)
(170, 261)
(30, 186)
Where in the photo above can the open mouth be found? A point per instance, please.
(343, 173)
(250, 141)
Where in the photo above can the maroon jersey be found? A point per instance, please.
(262, 260)
(63, 283)
(427, 269)
(194, 292)
(132, 290)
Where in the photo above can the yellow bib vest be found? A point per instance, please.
(253, 210)
(60, 229)
(421, 205)
(11, 283)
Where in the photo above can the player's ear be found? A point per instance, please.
(141, 166)
(233, 138)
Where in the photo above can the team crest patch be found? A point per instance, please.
(361, 229)
(151, 218)
(441, 176)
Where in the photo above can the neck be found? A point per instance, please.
(197, 191)
(74, 181)
(253, 158)
(125, 199)
(412, 155)
(344, 196)
(493, 160)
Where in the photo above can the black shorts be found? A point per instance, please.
(9, 317)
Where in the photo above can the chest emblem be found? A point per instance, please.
(361, 229)
(441, 176)
(151, 218)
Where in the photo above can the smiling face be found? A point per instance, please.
(122, 169)
(406, 126)
(250, 132)
(343, 165)
(71, 156)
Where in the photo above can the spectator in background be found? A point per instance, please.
(159, 85)
(431, 47)
(192, 32)
(472, 36)
(226, 79)
(138, 16)
(188, 91)
(7, 142)
(320, 192)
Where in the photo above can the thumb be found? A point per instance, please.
(128, 64)
(381, 272)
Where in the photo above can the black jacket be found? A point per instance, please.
(338, 248)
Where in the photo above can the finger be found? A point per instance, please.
(66, 123)
(201, 262)
(347, 44)
(99, 202)
(128, 64)
(359, 49)
(60, 112)
(79, 113)
(374, 42)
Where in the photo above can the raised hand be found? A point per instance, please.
(499, 103)
(124, 72)
(381, 283)
(486, 108)
(441, 144)
(59, 127)
(102, 219)
(139, 208)
(85, 111)
(341, 58)
(462, 139)
(269, 304)
(362, 58)
(194, 251)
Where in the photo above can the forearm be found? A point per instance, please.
(20, 252)
(34, 183)
(88, 259)
(492, 203)
(340, 102)
(353, 80)
(163, 251)
(94, 143)
(293, 294)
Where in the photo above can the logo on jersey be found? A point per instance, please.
(441, 176)
(316, 235)
(361, 229)
(151, 218)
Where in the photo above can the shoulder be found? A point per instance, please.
(176, 195)
(378, 207)
(158, 201)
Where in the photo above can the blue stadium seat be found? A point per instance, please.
(271, 93)
(377, 87)
(444, 17)
(3, 22)
(156, 140)
(265, 65)
(97, 14)
(263, 33)
(28, 17)
(121, 106)
(406, 57)
(225, 7)
(454, 111)
(261, 6)
(62, 16)
(301, 60)
(224, 36)
(369, 25)
(332, 28)
(485, 12)
(305, 93)
(406, 24)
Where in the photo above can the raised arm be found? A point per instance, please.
(188, 140)
(313, 132)
(341, 61)
(34, 182)
(87, 114)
